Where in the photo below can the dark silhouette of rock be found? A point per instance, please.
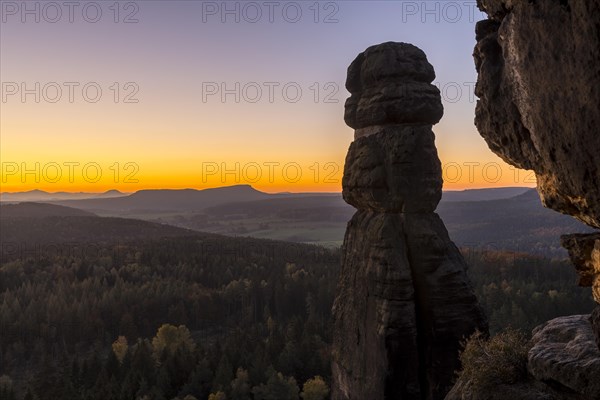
(404, 301)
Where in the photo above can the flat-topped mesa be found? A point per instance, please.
(404, 302)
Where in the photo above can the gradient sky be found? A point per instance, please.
(178, 135)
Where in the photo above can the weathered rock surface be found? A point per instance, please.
(564, 353)
(375, 321)
(394, 169)
(563, 364)
(447, 309)
(529, 390)
(404, 302)
(584, 250)
(391, 84)
(539, 90)
(595, 320)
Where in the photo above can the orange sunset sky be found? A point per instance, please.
(186, 94)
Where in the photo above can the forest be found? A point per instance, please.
(208, 317)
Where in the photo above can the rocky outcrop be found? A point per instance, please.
(584, 250)
(539, 90)
(563, 363)
(564, 354)
(539, 74)
(404, 301)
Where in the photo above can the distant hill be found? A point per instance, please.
(39, 210)
(42, 196)
(502, 218)
(110, 194)
(30, 225)
(483, 194)
(315, 208)
(518, 223)
(164, 200)
(147, 202)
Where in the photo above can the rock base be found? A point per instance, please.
(565, 354)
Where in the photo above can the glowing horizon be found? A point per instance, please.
(149, 98)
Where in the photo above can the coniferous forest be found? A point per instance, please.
(209, 317)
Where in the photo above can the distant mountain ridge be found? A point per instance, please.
(177, 200)
(518, 223)
(168, 200)
(193, 200)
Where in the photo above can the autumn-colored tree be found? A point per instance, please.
(120, 348)
(315, 389)
(169, 338)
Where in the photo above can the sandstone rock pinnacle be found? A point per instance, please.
(404, 302)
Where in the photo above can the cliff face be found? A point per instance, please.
(539, 108)
(539, 69)
(404, 301)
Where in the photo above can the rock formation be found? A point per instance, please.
(539, 109)
(584, 250)
(563, 364)
(404, 301)
(564, 352)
